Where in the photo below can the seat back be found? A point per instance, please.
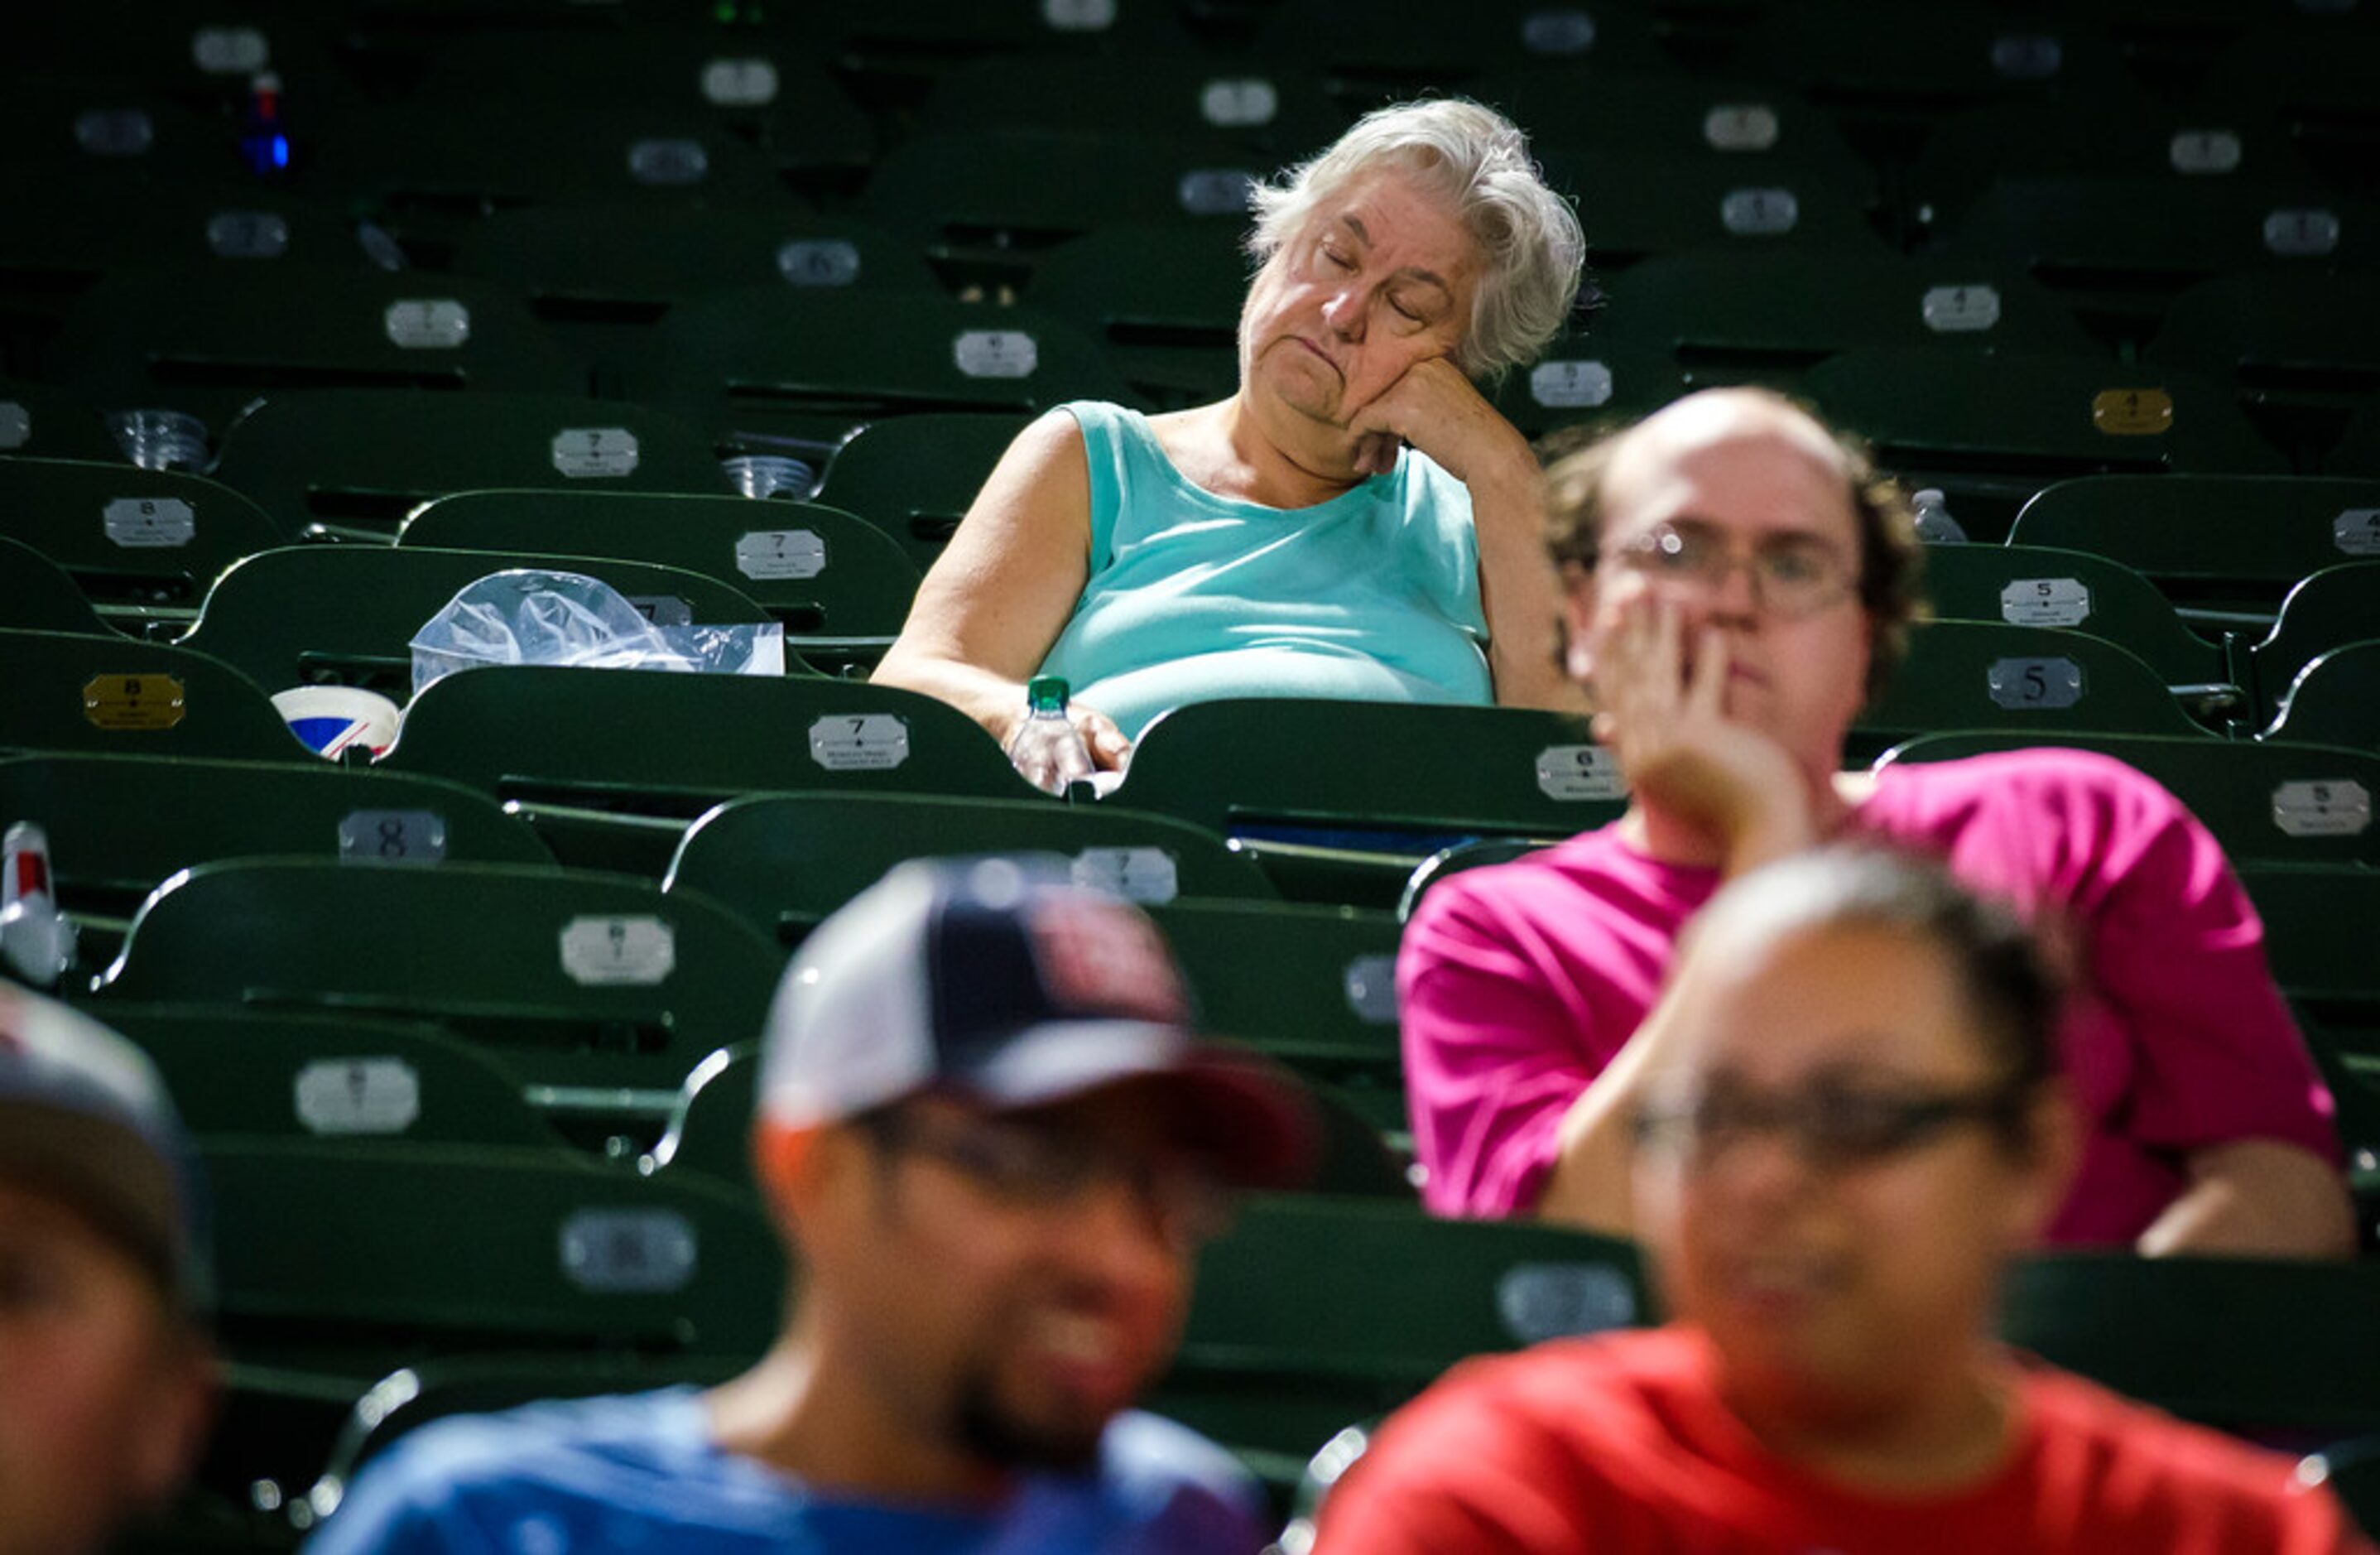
(914, 476)
(2328, 609)
(2039, 585)
(2043, 680)
(131, 538)
(115, 695)
(36, 595)
(782, 862)
(2335, 699)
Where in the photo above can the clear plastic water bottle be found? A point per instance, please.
(37, 941)
(1935, 524)
(1047, 747)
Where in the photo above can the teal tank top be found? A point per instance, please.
(1373, 595)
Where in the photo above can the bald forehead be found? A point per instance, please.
(1723, 420)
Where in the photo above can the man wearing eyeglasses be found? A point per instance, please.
(1855, 1123)
(993, 1148)
(1738, 583)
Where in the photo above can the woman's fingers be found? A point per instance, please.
(1109, 749)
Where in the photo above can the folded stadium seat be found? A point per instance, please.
(1274, 107)
(1748, 122)
(2041, 680)
(914, 476)
(37, 595)
(1589, 375)
(840, 585)
(982, 206)
(352, 463)
(710, 1133)
(118, 826)
(2042, 586)
(1314, 987)
(1406, 48)
(2313, 73)
(555, 1253)
(275, 1074)
(766, 86)
(2358, 452)
(1634, 205)
(430, 169)
(893, 50)
(346, 614)
(2302, 352)
(2267, 801)
(652, 750)
(113, 696)
(2243, 1344)
(2120, 250)
(1990, 432)
(2224, 549)
(1449, 770)
(1735, 314)
(1888, 73)
(45, 421)
(784, 370)
(142, 542)
(2335, 699)
(597, 991)
(600, 276)
(2123, 133)
(785, 861)
(1164, 303)
(208, 340)
(2328, 609)
(1289, 1341)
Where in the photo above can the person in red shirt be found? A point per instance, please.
(1857, 1120)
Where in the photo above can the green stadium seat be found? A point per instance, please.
(209, 339)
(37, 595)
(2318, 933)
(781, 862)
(2039, 680)
(352, 463)
(1289, 1338)
(2335, 699)
(2043, 586)
(555, 1253)
(2237, 1342)
(611, 765)
(1734, 314)
(826, 574)
(2302, 352)
(1453, 860)
(2120, 250)
(1744, 122)
(143, 543)
(113, 696)
(2358, 452)
(2328, 609)
(256, 1073)
(2224, 549)
(1276, 108)
(1907, 68)
(776, 368)
(47, 423)
(1635, 206)
(120, 825)
(1588, 375)
(893, 47)
(346, 614)
(599, 992)
(1990, 432)
(2267, 801)
(1391, 767)
(914, 476)
(1407, 46)
(1164, 303)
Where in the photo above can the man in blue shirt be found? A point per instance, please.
(991, 1141)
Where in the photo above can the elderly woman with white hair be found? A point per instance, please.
(1357, 521)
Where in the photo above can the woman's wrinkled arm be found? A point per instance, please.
(996, 600)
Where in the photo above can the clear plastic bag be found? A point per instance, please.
(530, 617)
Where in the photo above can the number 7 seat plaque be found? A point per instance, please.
(875, 742)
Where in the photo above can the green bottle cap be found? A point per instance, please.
(1046, 693)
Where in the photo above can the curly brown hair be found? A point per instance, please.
(1892, 558)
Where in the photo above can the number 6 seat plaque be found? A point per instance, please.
(875, 742)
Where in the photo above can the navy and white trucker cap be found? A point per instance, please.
(85, 1117)
(999, 980)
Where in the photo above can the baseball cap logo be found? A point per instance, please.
(1097, 956)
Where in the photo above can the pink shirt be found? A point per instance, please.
(1520, 983)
